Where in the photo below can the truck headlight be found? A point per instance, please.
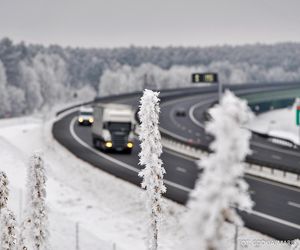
(91, 120)
(80, 119)
(129, 145)
(108, 144)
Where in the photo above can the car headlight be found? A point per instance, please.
(129, 145)
(80, 119)
(91, 120)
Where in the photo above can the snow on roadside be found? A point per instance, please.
(103, 205)
(107, 209)
(279, 123)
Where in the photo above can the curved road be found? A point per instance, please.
(277, 209)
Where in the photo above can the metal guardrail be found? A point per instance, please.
(167, 94)
(249, 159)
(261, 170)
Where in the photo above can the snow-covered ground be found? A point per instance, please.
(280, 123)
(110, 212)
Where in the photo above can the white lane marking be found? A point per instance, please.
(120, 163)
(72, 124)
(189, 158)
(276, 157)
(173, 134)
(199, 124)
(294, 204)
(171, 113)
(168, 103)
(258, 144)
(180, 169)
(272, 183)
(192, 110)
(177, 154)
(272, 218)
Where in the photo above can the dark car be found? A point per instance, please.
(180, 112)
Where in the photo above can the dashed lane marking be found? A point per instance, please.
(119, 163)
(178, 186)
(294, 204)
(275, 219)
(180, 169)
(276, 157)
(270, 182)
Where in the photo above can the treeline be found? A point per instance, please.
(33, 77)
(128, 79)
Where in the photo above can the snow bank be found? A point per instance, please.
(104, 206)
(106, 209)
(279, 123)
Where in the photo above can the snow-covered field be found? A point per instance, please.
(280, 123)
(109, 212)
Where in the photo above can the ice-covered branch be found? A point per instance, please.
(221, 187)
(153, 172)
(35, 225)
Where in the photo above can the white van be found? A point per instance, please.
(85, 116)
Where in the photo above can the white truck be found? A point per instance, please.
(85, 116)
(113, 127)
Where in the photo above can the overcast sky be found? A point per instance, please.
(109, 23)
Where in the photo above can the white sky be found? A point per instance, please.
(109, 23)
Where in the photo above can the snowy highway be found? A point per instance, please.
(276, 212)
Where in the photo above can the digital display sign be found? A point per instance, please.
(205, 77)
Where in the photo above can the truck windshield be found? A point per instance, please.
(86, 113)
(123, 126)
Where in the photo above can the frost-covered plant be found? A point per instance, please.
(8, 223)
(153, 172)
(34, 229)
(221, 188)
(3, 190)
(295, 245)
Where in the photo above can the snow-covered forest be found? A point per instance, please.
(33, 77)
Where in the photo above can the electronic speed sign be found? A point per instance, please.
(205, 78)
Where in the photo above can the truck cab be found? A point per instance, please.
(112, 129)
(85, 116)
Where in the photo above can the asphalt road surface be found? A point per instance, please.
(277, 206)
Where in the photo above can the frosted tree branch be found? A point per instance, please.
(153, 172)
(221, 188)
